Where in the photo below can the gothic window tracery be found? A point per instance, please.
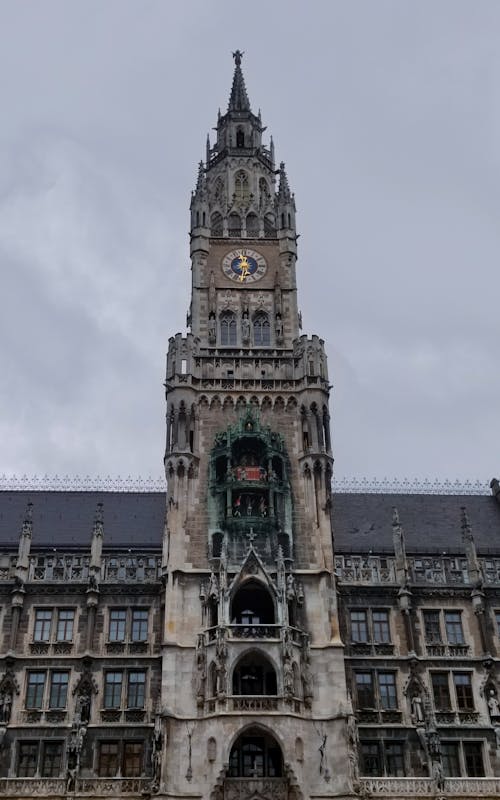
(234, 225)
(216, 224)
(228, 329)
(261, 330)
(252, 224)
(241, 187)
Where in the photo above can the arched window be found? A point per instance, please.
(240, 138)
(269, 226)
(241, 187)
(254, 676)
(252, 605)
(252, 225)
(261, 330)
(234, 224)
(228, 329)
(255, 754)
(216, 224)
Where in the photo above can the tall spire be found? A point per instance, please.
(284, 193)
(238, 100)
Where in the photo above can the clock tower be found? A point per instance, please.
(254, 701)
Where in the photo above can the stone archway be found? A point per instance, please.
(256, 770)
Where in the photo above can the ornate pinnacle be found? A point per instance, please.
(238, 99)
(98, 520)
(283, 189)
(466, 526)
(27, 528)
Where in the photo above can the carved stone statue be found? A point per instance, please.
(156, 755)
(5, 708)
(493, 704)
(288, 680)
(245, 329)
(438, 775)
(211, 329)
(417, 711)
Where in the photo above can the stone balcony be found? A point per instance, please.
(454, 788)
(85, 787)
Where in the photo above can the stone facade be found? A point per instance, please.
(209, 642)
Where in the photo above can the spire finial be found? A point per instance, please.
(238, 100)
(238, 55)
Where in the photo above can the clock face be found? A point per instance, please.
(244, 265)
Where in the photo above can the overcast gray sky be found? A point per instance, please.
(387, 114)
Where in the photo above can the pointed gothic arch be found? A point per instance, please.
(252, 604)
(227, 324)
(256, 754)
(254, 675)
(261, 329)
(216, 224)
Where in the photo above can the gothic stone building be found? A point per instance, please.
(248, 633)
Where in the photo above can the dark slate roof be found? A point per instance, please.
(431, 523)
(362, 522)
(65, 519)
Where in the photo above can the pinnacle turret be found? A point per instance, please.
(284, 194)
(238, 99)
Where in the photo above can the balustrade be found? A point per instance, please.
(57, 787)
(365, 569)
(425, 787)
(241, 788)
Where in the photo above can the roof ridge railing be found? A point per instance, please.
(410, 486)
(343, 485)
(77, 483)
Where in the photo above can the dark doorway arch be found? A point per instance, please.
(252, 605)
(254, 676)
(256, 754)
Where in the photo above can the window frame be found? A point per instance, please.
(22, 744)
(378, 631)
(116, 626)
(140, 623)
(58, 690)
(464, 696)
(42, 628)
(46, 745)
(113, 696)
(35, 690)
(443, 690)
(139, 689)
(454, 627)
(65, 624)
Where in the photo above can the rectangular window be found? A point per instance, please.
(58, 689)
(65, 623)
(108, 759)
(451, 759)
(364, 690)
(52, 759)
(139, 625)
(463, 689)
(441, 691)
(453, 625)
(381, 630)
(35, 689)
(27, 759)
(359, 626)
(117, 624)
(473, 756)
(136, 689)
(133, 754)
(387, 690)
(113, 690)
(432, 627)
(394, 759)
(370, 759)
(43, 621)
